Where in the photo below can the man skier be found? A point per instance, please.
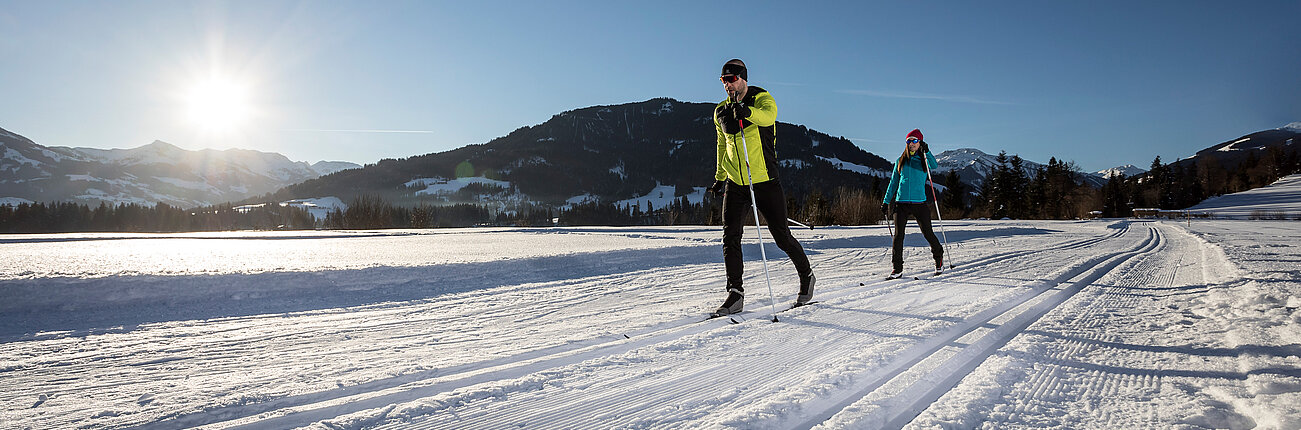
(749, 116)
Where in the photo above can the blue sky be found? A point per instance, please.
(1099, 83)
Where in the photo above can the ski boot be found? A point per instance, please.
(733, 305)
(806, 290)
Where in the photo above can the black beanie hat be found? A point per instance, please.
(735, 67)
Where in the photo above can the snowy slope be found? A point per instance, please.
(1282, 198)
(660, 197)
(1097, 324)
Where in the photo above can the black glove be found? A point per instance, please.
(885, 208)
(740, 111)
(727, 117)
(924, 148)
(718, 188)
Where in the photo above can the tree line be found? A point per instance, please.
(67, 217)
(1182, 184)
(1052, 191)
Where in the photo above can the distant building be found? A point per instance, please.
(1168, 213)
(1146, 212)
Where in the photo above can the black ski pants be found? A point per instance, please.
(737, 215)
(922, 212)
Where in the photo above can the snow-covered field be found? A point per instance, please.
(1090, 324)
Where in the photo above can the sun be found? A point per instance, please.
(218, 105)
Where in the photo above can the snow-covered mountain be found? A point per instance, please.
(974, 165)
(654, 151)
(323, 168)
(1126, 170)
(155, 173)
(973, 161)
(1230, 153)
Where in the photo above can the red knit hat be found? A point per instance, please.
(917, 133)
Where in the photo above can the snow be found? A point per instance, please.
(1229, 147)
(18, 159)
(794, 163)
(858, 168)
(57, 157)
(1294, 126)
(86, 178)
(667, 107)
(95, 194)
(193, 185)
(247, 208)
(13, 201)
(677, 144)
(1042, 324)
(580, 199)
(1283, 197)
(661, 196)
(319, 207)
(436, 186)
(157, 152)
(956, 159)
(323, 167)
(1127, 170)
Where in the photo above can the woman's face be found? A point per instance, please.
(913, 144)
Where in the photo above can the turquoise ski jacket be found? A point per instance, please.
(908, 183)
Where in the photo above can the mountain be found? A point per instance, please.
(974, 165)
(1230, 154)
(1126, 170)
(323, 168)
(656, 149)
(155, 173)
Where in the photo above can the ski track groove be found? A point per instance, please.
(767, 376)
(1051, 382)
(921, 394)
(976, 264)
(559, 409)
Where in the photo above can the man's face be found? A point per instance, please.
(733, 84)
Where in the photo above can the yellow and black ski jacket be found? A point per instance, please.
(760, 131)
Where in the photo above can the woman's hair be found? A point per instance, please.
(898, 165)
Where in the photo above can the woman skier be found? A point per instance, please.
(907, 196)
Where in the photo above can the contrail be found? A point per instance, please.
(316, 130)
(923, 96)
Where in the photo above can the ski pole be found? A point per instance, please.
(799, 224)
(938, 216)
(754, 204)
(889, 224)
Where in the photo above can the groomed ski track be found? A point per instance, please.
(631, 349)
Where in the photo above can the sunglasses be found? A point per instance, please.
(913, 140)
(728, 78)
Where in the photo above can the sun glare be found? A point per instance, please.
(218, 105)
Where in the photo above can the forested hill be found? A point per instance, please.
(604, 153)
